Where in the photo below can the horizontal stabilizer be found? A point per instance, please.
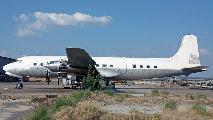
(195, 69)
(79, 58)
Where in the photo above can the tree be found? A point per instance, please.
(91, 80)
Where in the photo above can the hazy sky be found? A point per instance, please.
(121, 28)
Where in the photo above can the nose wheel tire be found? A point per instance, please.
(19, 85)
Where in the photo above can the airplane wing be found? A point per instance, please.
(79, 58)
(195, 69)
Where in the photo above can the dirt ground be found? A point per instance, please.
(18, 103)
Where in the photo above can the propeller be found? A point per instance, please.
(55, 66)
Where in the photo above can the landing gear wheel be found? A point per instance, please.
(19, 85)
(106, 82)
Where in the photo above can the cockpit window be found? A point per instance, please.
(34, 64)
(54, 62)
(97, 65)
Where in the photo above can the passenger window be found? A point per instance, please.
(155, 66)
(20, 61)
(104, 65)
(97, 65)
(41, 64)
(34, 64)
(148, 66)
(141, 66)
(134, 66)
(111, 66)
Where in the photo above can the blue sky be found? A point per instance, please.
(120, 28)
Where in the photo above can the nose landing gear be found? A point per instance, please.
(19, 85)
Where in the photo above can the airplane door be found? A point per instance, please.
(123, 67)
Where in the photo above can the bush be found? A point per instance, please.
(199, 108)
(39, 114)
(200, 96)
(155, 92)
(190, 96)
(125, 95)
(170, 105)
(77, 96)
(44, 113)
(109, 92)
(34, 99)
(187, 95)
(165, 92)
(71, 100)
(63, 101)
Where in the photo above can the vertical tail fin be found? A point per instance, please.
(188, 54)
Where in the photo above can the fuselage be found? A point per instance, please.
(136, 68)
(109, 67)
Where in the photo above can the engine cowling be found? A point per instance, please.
(63, 66)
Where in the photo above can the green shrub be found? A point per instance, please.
(165, 92)
(200, 96)
(109, 92)
(155, 92)
(170, 105)
(199, 108)
(63, 101)
(39, 114)
(191, 97)
(77, 96)
(34, 99)
(44, 113)
(71, 100)
(187, 95)
(125, 95)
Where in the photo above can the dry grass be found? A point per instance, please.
(85, 110)
(134, 115)
(182, 114)
(97, 97)
(91, 108)
(114, 116)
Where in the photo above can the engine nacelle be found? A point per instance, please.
(74, 70)
(54, 68)
(67, 69)
(71, 77)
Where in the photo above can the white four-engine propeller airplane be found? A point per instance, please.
(75, 65)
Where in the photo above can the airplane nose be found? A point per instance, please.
(6, 67)
(10, 70)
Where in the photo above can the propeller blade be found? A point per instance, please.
(48, 77)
